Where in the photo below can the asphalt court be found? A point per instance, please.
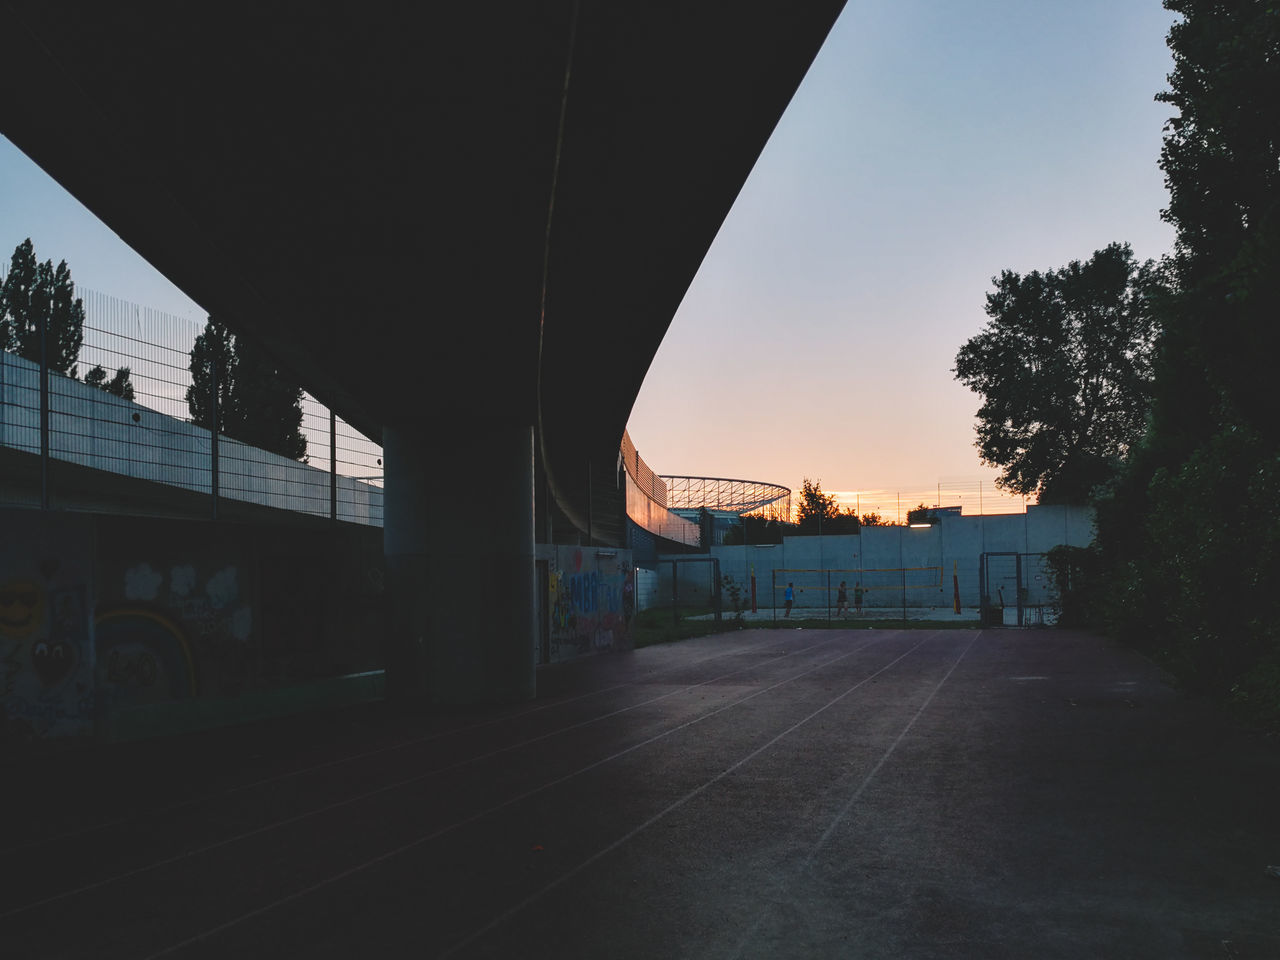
(763, 793)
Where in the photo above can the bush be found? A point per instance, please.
(1199, 588)
(1079, 584)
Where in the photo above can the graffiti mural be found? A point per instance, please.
(588, 589)
(46, 658)
(174, 628)
(143, 657)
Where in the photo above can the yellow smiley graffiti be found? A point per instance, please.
(21, 608)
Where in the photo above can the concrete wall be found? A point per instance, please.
(876, 555)
(123, 626)
(90, 427)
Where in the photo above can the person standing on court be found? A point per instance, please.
(857, 599)
(842, 600)
(789, 595)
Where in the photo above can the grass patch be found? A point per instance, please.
(656, 625)
(865, 623)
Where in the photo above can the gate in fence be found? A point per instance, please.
(1016, 584)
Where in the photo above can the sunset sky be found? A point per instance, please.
(931, 145)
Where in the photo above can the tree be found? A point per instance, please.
(756, 530)
(35, 293)
(257, 403)
(872, 520)
(1064, 370)
(815, 507)
(118, 385)
(1189, 535)
(817, 513)
(920, 514)
(1221, 157)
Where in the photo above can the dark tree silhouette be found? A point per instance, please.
(1064, 370)
(118, 385)
(1189, 537)
(257, 403)
(817, 513)
(33, 292)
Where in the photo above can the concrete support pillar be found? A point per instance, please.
(458, 538)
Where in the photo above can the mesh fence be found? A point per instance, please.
(147, 432)
(818, 591)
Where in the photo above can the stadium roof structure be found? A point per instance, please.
(725, 495)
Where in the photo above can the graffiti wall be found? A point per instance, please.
(46, 604)
(590, 599)
(177, 612)
(102, 614)
(200, 609)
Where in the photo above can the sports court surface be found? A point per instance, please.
(766, 793)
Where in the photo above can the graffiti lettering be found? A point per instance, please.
(582, 587)
(139, 670)
(47, 712)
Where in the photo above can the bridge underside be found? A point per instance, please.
(464, 226)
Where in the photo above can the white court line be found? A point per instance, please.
(390, 748)
(404, 848)
(857, 794)
(386, 788)
(565, 877)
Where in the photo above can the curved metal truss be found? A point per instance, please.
(753, 497)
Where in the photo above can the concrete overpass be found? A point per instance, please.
(508, 201)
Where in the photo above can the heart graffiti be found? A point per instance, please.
(52, 661)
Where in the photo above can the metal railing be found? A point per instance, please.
(647, 500)
(152, 437)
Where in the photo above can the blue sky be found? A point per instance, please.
(931, 145)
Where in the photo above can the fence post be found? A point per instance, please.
(215, 426)
(715, 586)
(44, 411)
(902, 569)
(675, 617)
(333, 465)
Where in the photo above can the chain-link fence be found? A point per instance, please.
(103, 437)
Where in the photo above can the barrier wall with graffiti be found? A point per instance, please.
(177, 613)
(46, 602)
(590, 599)
(101, 614)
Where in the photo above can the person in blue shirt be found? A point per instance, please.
(789, 595)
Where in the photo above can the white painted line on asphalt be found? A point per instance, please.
(565, 877)
(386, 788)
(857, 794)
(413, 844)
(152, 812)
